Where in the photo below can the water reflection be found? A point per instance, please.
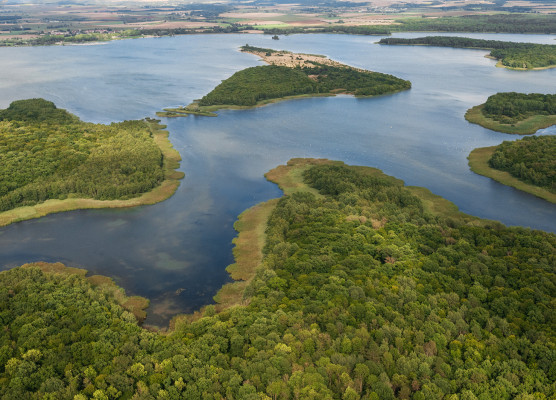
(175, 252)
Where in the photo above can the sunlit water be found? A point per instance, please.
(175, 252)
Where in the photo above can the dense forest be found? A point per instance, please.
(47, 153)
(251, 85)
(248, 86)
(531, 159)
(363, 293)
(510, 54)
(511, 107)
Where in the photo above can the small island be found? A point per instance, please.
(50, 161)
(528, 164)
(516, 113)
(512, 55)
(289, 75)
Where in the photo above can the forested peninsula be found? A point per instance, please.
(513, 55)
(50, 161)
(367, 289)
(289, 75)
(517, 113)
(528, 164)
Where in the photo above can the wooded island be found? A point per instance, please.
(512, 112)
(289, 75)
(51, 161)
(528, 164)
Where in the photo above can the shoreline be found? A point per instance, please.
(280, 58)
(500, 65)
(478, 163)
(252, 223)
(528, 126)
(249, 243)
(306, 30)
(248, 254)
(160, 193)
(497, 65)
(209, 111)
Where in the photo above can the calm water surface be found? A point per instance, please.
(175, 252)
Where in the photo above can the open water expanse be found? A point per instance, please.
(175, 252)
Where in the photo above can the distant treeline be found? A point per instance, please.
(511, 107)
(46, 40)
(47, 153)
(508, 23)
(352, 30)
(231, 28)
(531, 159)
(251, 85)
(9, 18)
(511, 54)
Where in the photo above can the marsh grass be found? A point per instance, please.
(499, 64)
(478, 162)
(248, 253)
(527, 126)
(209, 111)
(252, 224)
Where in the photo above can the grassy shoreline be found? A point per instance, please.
(500, 65)
(251, 226)
(248, 254)
(478, 162)
(209, 111)
(526, 127)
(252, 223)
(166, 189)
(249, 243)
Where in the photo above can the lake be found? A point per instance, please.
(175, 252)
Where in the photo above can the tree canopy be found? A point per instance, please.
(363, 293)
(531, 159)
(251, 85)
(48, 153)
(511, 107)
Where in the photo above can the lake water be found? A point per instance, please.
(175, 252)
